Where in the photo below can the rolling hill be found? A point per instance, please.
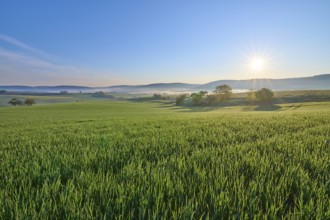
(318, 82)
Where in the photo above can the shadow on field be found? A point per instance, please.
(195, 109)
(191, 108)
(187, 108)
(240, 104)
(267, 107)
(291, 107)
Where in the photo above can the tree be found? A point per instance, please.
(29, 102)
(99, 94)
(251, 96)
(264, 95)
(180, 99)
(223, 92)
(211, 99)
(15, 102)
(157, 96)
(197, 98)
(203, 93)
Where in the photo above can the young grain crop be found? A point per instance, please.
(118, 160)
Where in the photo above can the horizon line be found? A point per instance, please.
(165, 82)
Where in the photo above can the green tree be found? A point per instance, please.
(223, 92)
(29, 102)
(157, 96)
(203, 93)
(264, 95)
(15, 102)
(211, 99)
(180, 99)
(251, 96)
(197, 98)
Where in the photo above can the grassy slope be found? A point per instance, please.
(144, 160)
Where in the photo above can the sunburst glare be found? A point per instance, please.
(257, 63)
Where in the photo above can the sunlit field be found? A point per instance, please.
(121, 160)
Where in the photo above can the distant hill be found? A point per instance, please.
(47, 89)
(318, 82)
(302, 83)
(156, 87)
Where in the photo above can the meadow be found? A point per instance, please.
(144, 160)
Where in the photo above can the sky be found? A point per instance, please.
(115, 42)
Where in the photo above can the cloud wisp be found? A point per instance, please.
(36, 52)
(30, 66)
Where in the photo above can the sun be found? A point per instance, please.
(257, 63)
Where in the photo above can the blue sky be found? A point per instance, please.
(100, 43)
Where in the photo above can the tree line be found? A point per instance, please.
(223, 93)
(15, 102)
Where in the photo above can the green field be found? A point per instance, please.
(132, 160)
